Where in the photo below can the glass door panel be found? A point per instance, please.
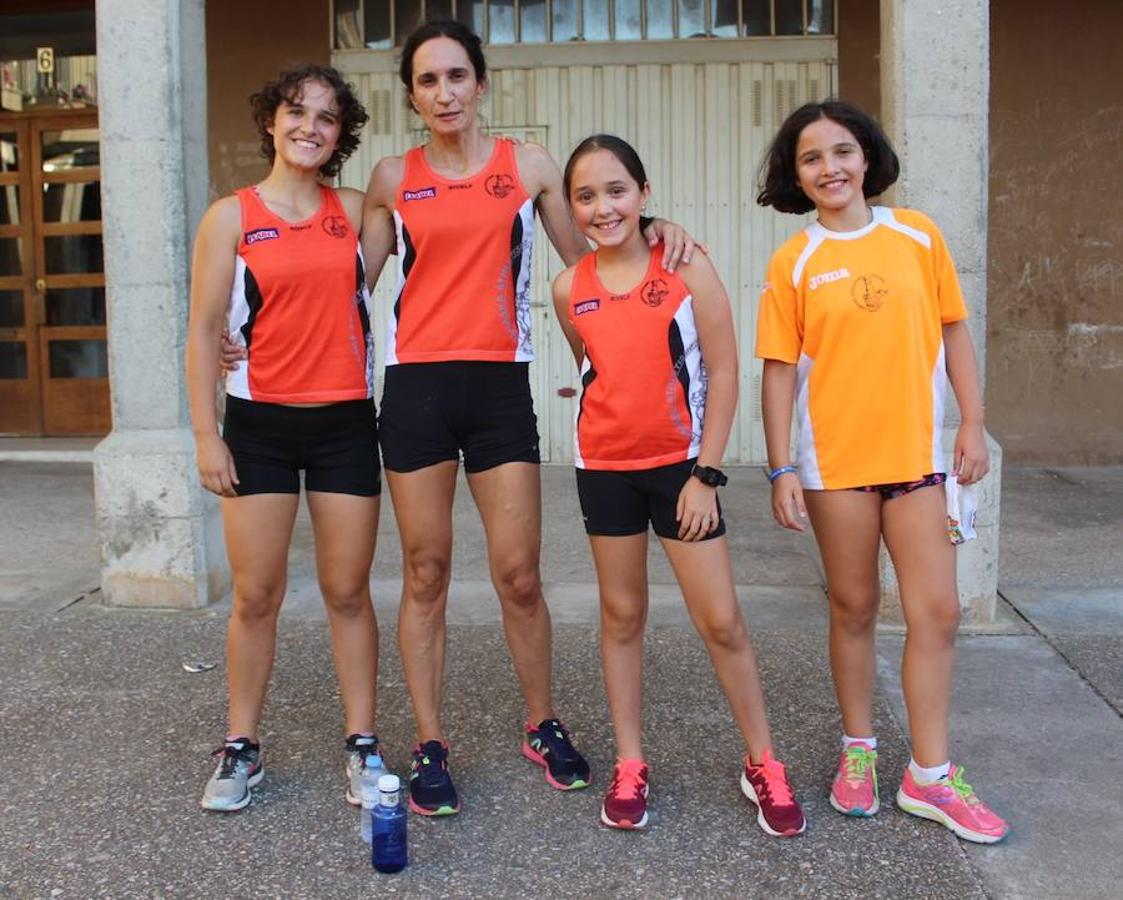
(73, 357)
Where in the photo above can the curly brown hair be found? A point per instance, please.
(287, 88)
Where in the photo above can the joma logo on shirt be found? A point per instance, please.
(586, 306)
(836, 275)
(421, 194)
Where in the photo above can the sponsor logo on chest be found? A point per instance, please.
(426, 193)
(260, 234)
(827, 277)
(586, 306)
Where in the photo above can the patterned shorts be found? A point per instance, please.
(900, 488)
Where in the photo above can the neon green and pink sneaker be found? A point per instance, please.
(854, 792)
(952, 802)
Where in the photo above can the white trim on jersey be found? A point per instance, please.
(578, 458)
(939, 397)
(391, 319)
(816, 234)
(524, 350)
(806, 456)
(368, 302)
(885, 216)
(695, 371)
(237, 315)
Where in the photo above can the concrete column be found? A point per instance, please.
(160, 533)
(935, 79)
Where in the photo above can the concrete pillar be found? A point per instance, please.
(160, 533)
(935, 78)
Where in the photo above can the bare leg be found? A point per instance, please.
(345, 527)
(847, 527)
(258, 530)
(705, 575)
(423, 509)
(622, 575)
(915, 527)
(509, 499)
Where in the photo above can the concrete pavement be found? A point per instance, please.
(105, 737)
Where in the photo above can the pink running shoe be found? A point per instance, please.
(953, 803)
(625, 806)
(778, 812)
(854, 792)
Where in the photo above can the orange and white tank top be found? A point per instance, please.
(300, 307)
(643, 381)
(464, 251)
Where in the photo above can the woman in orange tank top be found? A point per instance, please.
(460, 210)
(279, 265)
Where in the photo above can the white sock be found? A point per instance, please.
(927, 775)
(870, 742)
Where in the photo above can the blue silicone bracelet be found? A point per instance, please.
(783, 470)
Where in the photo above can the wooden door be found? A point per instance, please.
(53, 355)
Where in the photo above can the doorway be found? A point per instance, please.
(53, 353)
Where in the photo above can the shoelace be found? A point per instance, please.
(429, 766)
(776, 781)
(858, 760)
(628, 777)
(556, 738)
(231, 756)
(963, 789)
(365, 751)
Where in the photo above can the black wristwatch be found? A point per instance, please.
(709, 476)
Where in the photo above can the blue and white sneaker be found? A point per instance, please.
(239, 769)
(364, 768)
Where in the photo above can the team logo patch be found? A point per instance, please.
(427, 193)
(499, 186)
(869, 292)
(654, 292)
(260, 234)
(827, 277)
(336, 226)
(586, 306)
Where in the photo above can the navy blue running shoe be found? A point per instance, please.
(547, 744)
(431, 791)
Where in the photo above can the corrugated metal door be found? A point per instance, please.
(701, 130)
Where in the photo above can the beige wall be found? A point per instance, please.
(1055, 328)
(248, 43)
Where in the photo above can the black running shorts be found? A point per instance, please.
(335, 445)
(622, 503)
(434, 412)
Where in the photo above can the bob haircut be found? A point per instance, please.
(618, 147)
(778, 181)
(288, 88)
(449, 28)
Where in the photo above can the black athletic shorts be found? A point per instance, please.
(434, 412)
(335, 445)
(616, 504)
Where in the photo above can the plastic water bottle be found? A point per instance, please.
(369, 800)
(388, 819)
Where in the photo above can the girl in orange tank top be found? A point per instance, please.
(659, 373)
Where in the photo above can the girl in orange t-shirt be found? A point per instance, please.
(658, 367)
(862, 326)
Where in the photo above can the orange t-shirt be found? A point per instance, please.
(299, 305)
(861, 314)
(464, 250)
(643, 393)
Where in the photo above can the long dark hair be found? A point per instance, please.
(778, 180)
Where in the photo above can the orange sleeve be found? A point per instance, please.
(779, 327)
(948, 292)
